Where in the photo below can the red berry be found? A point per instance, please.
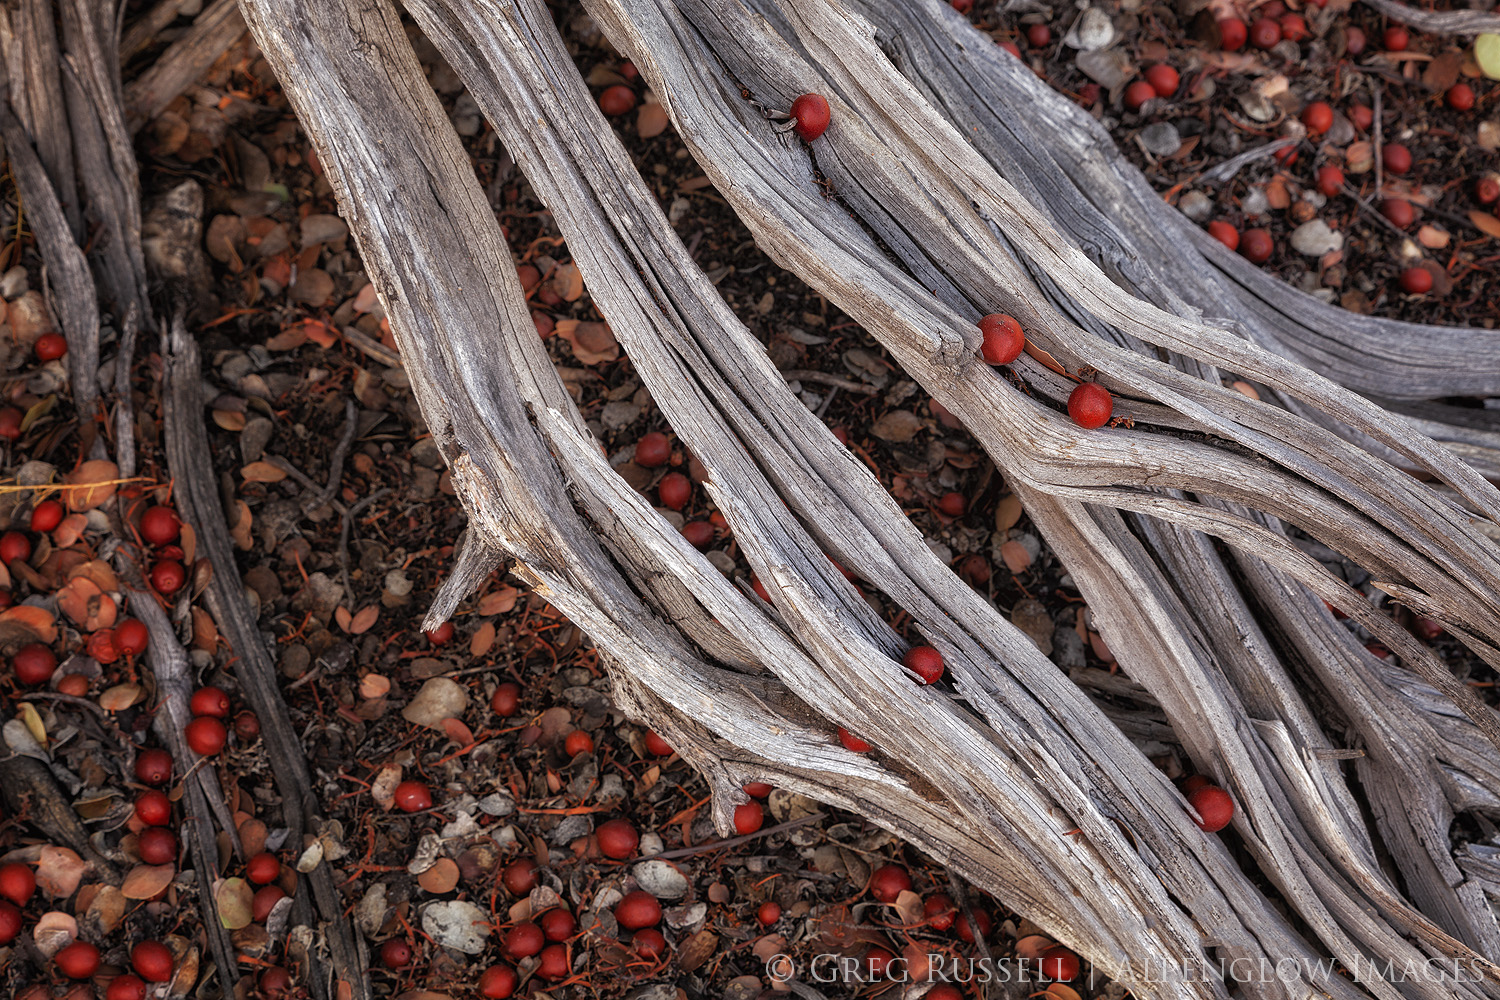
(152, 961)
(167, 577)
(638, 909)
(1416, 280)
(14, 545)
(1163, 79)
(520, 876)
(1361, 116)
(1232, 34)
(558, 924)
(101, 646)
(1293, 27)
(945, 991)
(1330, 180)
(852, 742)
(748, 817)
(160, 526)
(674, 490)
(658, 746)
(768, 914)
(1256, 245)
(758, 789)
(157, 845)
(247, 726)
(395, 953)
(1460, 97)
(79, 960)
(498, 982)
(76, 685)
(878, 960)
(206, 735)
(1398, 211)
(1011, 47)
(33, 664)
(953, 504)
(440, 636)
(524, 940)
(699, 534)
(264, 901)
(10, 422)
(126, 987)
(1224, 233)
(17, 882)
(153, 808)
(1090, 405)
(760, 589)
(617, 100)
(578, 742)
(263, 868)
(46, 515)
(649, 943)
(553, 963)
(1397, 158)
(812, 114)
(653, 449)
(981, 920)
(1397, 38)
(275, 982)
(1059, 963)
(1354, 41)
(1214, 807)
(962, 6)
(1194, 782)
(1487, 189)
(618, 839)
(50, 346)
(131, 637)
(1038, 36)
(924, 661)
(412, 796)
(153, 766)
(1318, 117)
(10, 921)
(1004, 340)
(940, 911)
(1137, 94)
(210, 701)
(1265, 33)
(889, 881)
(506, 699)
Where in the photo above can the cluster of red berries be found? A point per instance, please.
(161, 528)
(1160, 80)
(207, 734)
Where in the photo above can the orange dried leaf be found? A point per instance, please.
(458, 732)
(374, 686)
(343, 617)
(100, 475)
(205, 632)
(1008, 512)
(1030, 947)
(69, 530)
(240, 530)
(82, 600)
(59, 870)
(289, 339)
(1017, 559)
(230, 420)
(1485, 223)
(364, 620)
(98, 571)
(441, 877)
(482, 639)
(120, 697)
(148, 881)
(262, 472)
(39, 622)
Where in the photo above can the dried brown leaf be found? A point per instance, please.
(262, 472)
(148, 881)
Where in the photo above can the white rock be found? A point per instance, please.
(439, 699)
(1314, 239)
(1094, 30)
(661, 879)
(1161, 138)
(1196, 206)
(457, 924)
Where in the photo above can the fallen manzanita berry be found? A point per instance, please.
(263, 869)
(395, 953)
(1396, 38)
(1396, 157)
(649, 943)
(50, 346)
(878, 961)
(852, 742)
(1487, 189)
(758, 789)
(132, 637)
(812, 115)
(126, 987)
(247, 726)
(1354, 41)
(152, 961)
(558, 924)
(412, 796)
(653, 450)
(76, 685)
(953, 504)
(578, 742)
(617, 100)
(1059, 963)
(520, 876)
(748, 817)
(618, 839)
(889, 881)
(1460, 97)
(206, 735)
(553, 965)
(1232, 34)
(440, 636)
(1193, 782)
(699, 534)
(1361, 116)
(1318, 117)
(10, 921)
(160, 526)
(1225, 233)
(940, 911)
(1256, 245)
(924, 661)
(656, 745)
(1163, 79)
(157, 845)
(46, 515)
(498, 982)
(1038, 36)
(674, 490)
(638, 909)
(168, 576)
(981, 920)
(211, 701)
(17, 882)
(1137, 94)
(523, 941)
(1214, 807)
(153, 808)
(1330, 180)
(264, 901)
(153, 766)
(275, 982)
(79, 960)
(10, 422)
(1265, 33)
(14, 546)
(768, 913)
(1415, 280)
(33, 663)
(1293, 27)
(1398, 211)
(1004, 340)
(1090, 405)
(506, 699)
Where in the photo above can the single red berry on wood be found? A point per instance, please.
(638, 909)
(79, 960)
(153, 808)
(1163, 79)
(1460, 97)
(553, 963)
(1060, 964)
(498, 982)
(1004, 340)
(520, 876)
(1397, 38)
(1318, 117)
(674, 490)
(14, 545)
(1398, 211)
(699, 534)
(1090, 405)
(157, 845)
(17, 882)
(1256, 245)
(50, 346)
(1137, 94)
(131, 636)
(618, 839)
(852, 742)
(167, 577)
(413, 796)
(524, 940)
(1487, 189)
(1416, 280)
(264, 901)
(440, 636)
(152, 961)
(1224, 233)
(658, 746)
(10, 921)
(653, 449)
(889, 881)
(616, 100)
(46, 515)
(924, 661)
(748, 817)
(160, 526)
(558, 924)
(812, 114)
(211, 701)
(153, 766)
(1038, 36)
(1397, 158)
(1214, 807)
(395, 953)
(1293, 27)
(940, 911)
(768, 914)
(1265, 33)
(263, 869)
(1330, 180)
(33, 663)
(206, 735)
(506, 699)
(758, 789)
(126, 986)
(1232, 34)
